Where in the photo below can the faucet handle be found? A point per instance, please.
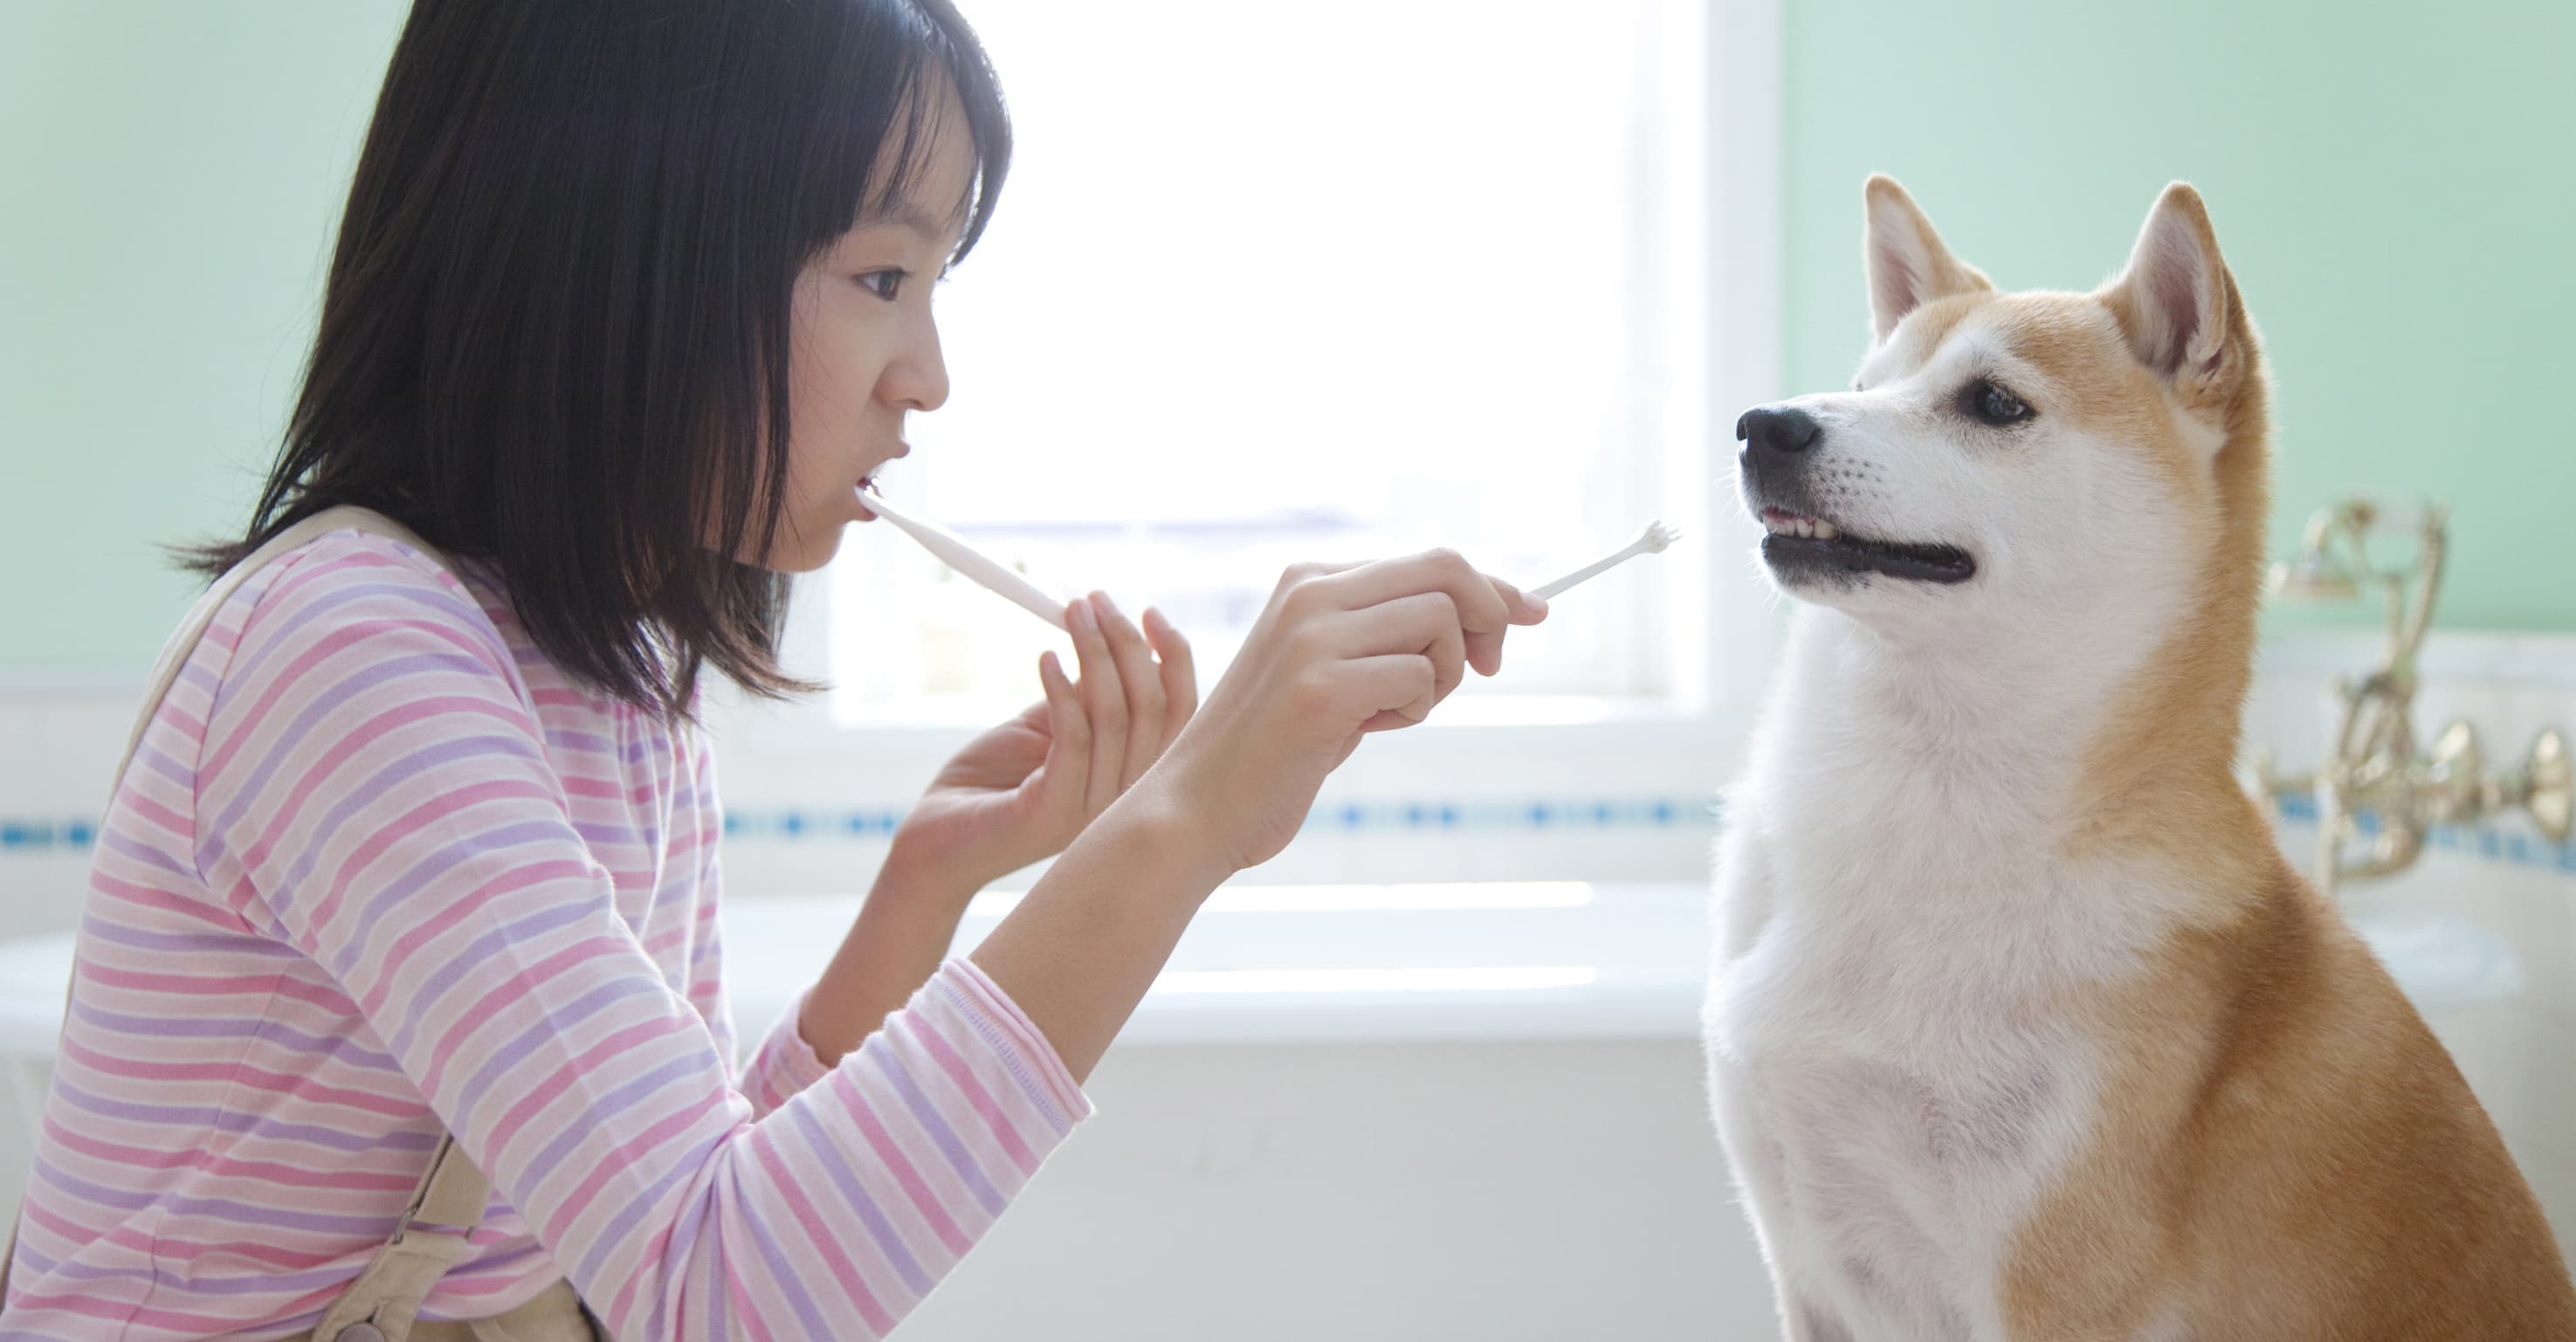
(2549, 785)
(2456, 755)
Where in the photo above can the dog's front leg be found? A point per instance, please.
(1743, 905)
(1802, 1320)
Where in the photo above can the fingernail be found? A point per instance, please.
(1107, 606)
(1536, 607)
(1083, 617)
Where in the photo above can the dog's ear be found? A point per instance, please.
(1907, 264)
(2176, 302)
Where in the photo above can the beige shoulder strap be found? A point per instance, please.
(192, 630)
(452, 1193)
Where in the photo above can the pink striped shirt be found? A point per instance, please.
(373, 870)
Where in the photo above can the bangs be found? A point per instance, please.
(874, 152)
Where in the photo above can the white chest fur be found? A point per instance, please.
(1890, 1063)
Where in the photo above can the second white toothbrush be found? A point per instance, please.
(1656, 538)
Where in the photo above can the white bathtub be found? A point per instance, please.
(1486, 1121)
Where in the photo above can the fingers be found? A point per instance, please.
(1482, 615)
(1519, 609)
(1180, 675)
(1104, 703)
(1524, 608)
(1143, 683)
(1396, 689)
(1066, 772)
(1425, 625)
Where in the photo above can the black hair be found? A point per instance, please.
(555, 331)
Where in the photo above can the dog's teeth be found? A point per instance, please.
(1825, 530)
(1806, 526)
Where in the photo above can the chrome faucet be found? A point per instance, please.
(2373, 768)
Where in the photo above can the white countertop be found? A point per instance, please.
(1341, 964)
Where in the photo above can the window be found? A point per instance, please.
(1334, 280)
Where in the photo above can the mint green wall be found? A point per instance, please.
(171, 171)
(2396, 188)
(2393, 184)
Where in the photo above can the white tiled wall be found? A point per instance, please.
(59, 737)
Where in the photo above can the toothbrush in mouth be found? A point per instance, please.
(1654, 540)
(967, 560)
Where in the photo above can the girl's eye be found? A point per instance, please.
(885, 284)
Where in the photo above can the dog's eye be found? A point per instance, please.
(1993, 402)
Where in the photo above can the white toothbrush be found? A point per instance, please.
(1655, 539)
(964, 558)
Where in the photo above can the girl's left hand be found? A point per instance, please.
(1020, 792)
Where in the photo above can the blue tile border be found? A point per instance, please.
(21, 835)
(795, 824)
(791, 824)
(27, 836)
(2510, 844)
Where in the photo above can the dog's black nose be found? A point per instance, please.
(1784, 430)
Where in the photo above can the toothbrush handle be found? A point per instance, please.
(1548, 591)
(962, 557)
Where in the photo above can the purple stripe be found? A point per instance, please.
(113, 840)
(941, 1135)
(1005, 1050)
(587, 743)
(598, 836)
(785, 1281)
(183, 943)
(261, 1028)
(641, 1210)
(475, 956)
(845, 1181)
(294, 741)
(485, 843)
(261, 1284)
(150, 757)
(251, 658)
(209, 1118)
(196, 674)
(474, 752)
(676, 1249)
(246, 1213)
(505, 1260)
(555, 1028)
(616, 1098)
(715, 1293)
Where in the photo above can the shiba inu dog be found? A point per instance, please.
(2020, 1027)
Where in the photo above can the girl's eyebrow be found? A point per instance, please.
(909, 215)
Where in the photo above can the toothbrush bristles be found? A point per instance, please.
(1656, 538)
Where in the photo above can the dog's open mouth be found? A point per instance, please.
(1801, 545)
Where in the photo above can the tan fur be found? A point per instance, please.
(2287, 1152)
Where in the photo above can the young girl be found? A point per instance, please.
(399, 1009)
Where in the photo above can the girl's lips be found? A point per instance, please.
(868, 482)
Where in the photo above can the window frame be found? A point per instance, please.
(1626, 745)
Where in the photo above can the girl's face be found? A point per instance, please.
(865, 351)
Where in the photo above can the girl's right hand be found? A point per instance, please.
(1339, 652)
